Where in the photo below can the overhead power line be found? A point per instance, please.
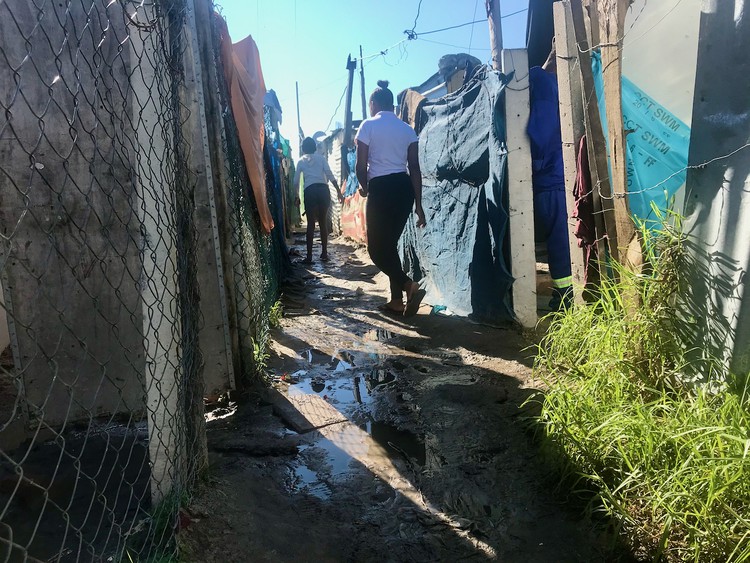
(411, 34)
(341, 99)
(474, 16)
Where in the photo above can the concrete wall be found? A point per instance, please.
(71, 249)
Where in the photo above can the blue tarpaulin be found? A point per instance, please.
(460, 255)
(657, 145)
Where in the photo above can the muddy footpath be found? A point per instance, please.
(383, 439)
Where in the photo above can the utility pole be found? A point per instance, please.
(351, 66)
(362, 83)
(496, 31)
(299, 123)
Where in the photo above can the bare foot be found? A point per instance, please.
(392, 307)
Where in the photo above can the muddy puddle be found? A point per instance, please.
(343, 450)
(350, 382)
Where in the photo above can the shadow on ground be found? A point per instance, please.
(417, 448)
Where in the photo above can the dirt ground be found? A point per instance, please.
(397, 440)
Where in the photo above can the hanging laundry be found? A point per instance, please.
(352, 184)
(583, 214)
(411, 109)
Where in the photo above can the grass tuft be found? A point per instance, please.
(659, 434)
(275, 315)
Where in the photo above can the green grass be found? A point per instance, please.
(155, 541)
(261, 356)
(275, 315)
(660, 438)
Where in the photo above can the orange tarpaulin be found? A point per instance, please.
(354, 218)
(247, 89)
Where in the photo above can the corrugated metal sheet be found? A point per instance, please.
(334, 161)
(717, 203)
(330, 147)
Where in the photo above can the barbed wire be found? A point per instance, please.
(673, 175)
(383, 52)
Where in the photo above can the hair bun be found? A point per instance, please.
(383, 84)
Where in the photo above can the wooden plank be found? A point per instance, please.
(494, 21)
(611, 30)
(572, 128)
(214, 80)
(520, 192)
(302, 412)
(592, 23)
(597, 146)
(215, 334)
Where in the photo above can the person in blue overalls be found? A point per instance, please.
(548, 178)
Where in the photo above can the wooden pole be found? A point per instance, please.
(572, 129)
(351, 65)
(362, 84)
(496, 31)
(597, 147)
(299, 123)
(611, 15)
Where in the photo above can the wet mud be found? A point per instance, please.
(381, 438)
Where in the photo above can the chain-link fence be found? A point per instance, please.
(134, 276)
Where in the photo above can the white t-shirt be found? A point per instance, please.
(315, 169)
(388, 139)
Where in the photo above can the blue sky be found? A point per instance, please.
(308, 41)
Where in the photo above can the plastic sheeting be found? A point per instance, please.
(244, 76)
(354, 218)
(460, 254)
(657, 147)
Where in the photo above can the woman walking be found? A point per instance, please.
(386, 149)
(315, 173)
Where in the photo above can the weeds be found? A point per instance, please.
(659, 437)
(261, 341)
(260, 355)
(275, 315)
(153, 539)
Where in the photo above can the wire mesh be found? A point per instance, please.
(102, 371)
(258, 261)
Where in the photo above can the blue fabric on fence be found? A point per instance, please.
(460, 254)
(352, 184)
(657, 146)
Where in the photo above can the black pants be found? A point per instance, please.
(390, 201)
(317, 195)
